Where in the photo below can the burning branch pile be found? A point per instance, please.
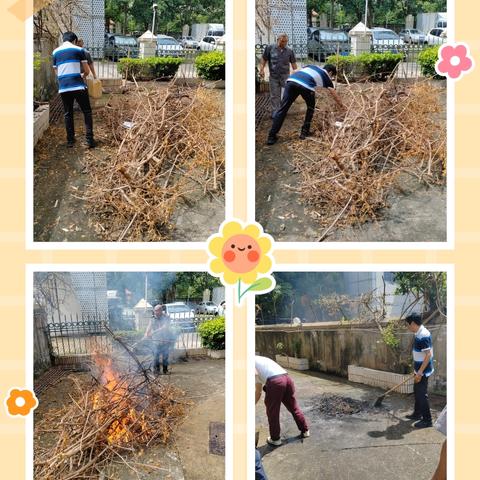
(106, 424)
(348, 168)
(168, 144)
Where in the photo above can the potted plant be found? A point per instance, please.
(297, 362)
(212, 333)
(280, 357)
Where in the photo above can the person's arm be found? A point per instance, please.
(91, 65)
(148, 331)
(293, 61)
(335, 96)
(423, 366)
(263, 62)
(85, 69)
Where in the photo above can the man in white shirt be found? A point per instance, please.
(279, 388)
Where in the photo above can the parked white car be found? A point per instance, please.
(412, 35)
(437, 36)
(188, 42)
(386, 40)
(209, 44)
(208, 308)
(169, 47)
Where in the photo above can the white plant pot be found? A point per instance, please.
(282, 360)
(298, 363)
(216, 354)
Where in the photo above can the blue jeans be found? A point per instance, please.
(259, 471)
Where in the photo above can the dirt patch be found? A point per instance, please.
(337, 406)
(62, 180)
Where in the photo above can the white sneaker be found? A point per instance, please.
(305, 434)
(275, 443)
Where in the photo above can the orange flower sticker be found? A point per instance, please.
(21, 402)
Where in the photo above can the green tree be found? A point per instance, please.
(431, 287)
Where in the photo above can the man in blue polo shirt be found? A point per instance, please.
(423, 368)
(304, 82)
(71, 65)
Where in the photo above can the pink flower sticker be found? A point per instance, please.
(454, 60)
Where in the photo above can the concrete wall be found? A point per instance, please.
(332, 347)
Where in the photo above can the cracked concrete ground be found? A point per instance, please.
(373, 444)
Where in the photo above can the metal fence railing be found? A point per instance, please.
(74, 335)
(106, 57)
(316, 53)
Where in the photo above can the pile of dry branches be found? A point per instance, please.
(168, 144)
(105, 424)
(348, 167)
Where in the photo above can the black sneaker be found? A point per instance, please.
(272, 140)
(91, 143)
(70, 143)
(165, 371)
(423, 424)
(414, 416)
(304, 135)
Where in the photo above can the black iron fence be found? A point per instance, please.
(317, 53)
(106, 57)
(77, 335)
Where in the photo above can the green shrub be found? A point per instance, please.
(150, 68)
(427, 59)
(374, 66)
(211, 65)
(212, 333)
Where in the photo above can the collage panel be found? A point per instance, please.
(352, 374)
(351, 122)
(128, 121)
(129, 371)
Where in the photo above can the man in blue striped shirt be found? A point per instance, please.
(303, 82)
(71, 66)
(423, 368)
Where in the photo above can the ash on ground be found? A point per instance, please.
(337, 406)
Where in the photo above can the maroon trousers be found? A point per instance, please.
(281, 389)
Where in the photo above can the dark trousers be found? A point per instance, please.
(259, 471)
(422, 406)
(81, 96)
(292, 91)
(162, 349)
(280, 390)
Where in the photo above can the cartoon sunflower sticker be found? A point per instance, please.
(240, 256)
(20, 402)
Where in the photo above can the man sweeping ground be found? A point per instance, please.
(423, 368)
(279, 388)
(304, 82)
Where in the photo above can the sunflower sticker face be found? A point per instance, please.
(240, 255)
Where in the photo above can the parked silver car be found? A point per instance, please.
(386, 40)
(188, 42)
(412, 35)
(181, 315)
(169, 47)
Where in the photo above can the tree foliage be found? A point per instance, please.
(137, 15)
(380, 12)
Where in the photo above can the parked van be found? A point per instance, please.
(120, 46)
(323, 42)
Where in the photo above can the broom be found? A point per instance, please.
(379, 400)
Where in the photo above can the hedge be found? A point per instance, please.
(211, 65)
(212, 333)
(374, 66)
(427, 59)
(150, 68)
